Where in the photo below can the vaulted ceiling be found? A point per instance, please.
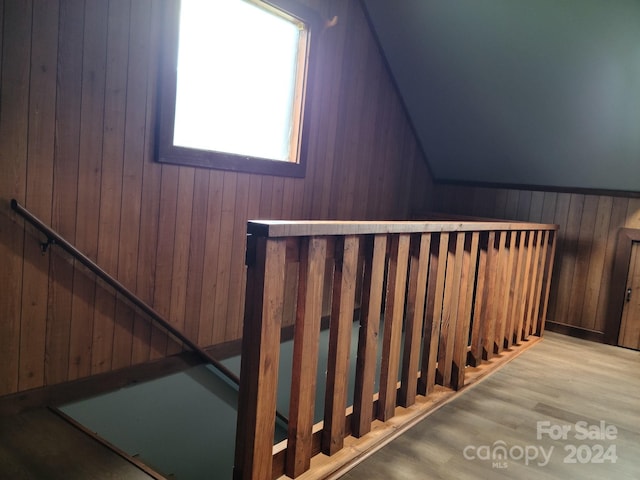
(534, 92)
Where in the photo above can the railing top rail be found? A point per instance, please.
(301, 228)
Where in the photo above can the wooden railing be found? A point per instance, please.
(447, 295)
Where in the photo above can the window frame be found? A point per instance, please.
(167, 152)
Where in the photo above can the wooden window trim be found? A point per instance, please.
(166, 152)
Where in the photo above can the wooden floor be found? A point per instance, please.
(40, 445)
(561, 381)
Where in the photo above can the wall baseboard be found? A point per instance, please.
(573, 331)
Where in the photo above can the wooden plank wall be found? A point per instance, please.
(589, 226)
(77, 108)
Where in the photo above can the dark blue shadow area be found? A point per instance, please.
(184, 424)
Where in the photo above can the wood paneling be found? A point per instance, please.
(89, 181)
(14, 98)
(630, 326)
(77, 117)
(40, 148)
(589, 225)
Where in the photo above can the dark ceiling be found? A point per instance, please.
(534, 92)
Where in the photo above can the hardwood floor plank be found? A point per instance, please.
(39, 444)
(562, 381)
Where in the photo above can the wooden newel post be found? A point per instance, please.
(260, 358)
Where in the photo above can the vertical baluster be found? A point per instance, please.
(305, 354)
(393, 317)
(475, 353)
(467, 283)
(522, 311)
(489, 301)
(375, 253)
(450, 310)
(547, 283)
(535, 271)
(498, 292)
(535, 319)
(505, 292)
(420, 249)
(502, 290)
(342, 308)
(516, 295)
(433, 312)
(260, 357)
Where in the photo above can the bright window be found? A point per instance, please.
(234, 87)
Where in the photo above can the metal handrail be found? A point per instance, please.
(54, 238)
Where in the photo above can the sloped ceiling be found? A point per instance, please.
(534, 92)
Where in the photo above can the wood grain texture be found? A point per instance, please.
(342, 308)
(375, 249)
(510, 289)
(111, 181)
(450, 305)
(616, 221)
(534, 274)
(488, 312)
(313, 254)
(515, 292)
(65, 178)
(164, 255)
(433, 315)
(150, 191)
(560, 217)
(561, 380)
(89, 182)
(475, 350)
(39, 191)
(630, 326)
(467, 288)
(40, 444)
(529, 248)
(261, 353)
(301, 228)
(551, 249)
(585, 244)
(210, 259)
(540, 289)
(621, 276)
(502, 291)
(412, 261)
(79, 88)
(416, 295)
(14, 97)
(132, 178)
(393, 320)
(596, 269)
(225, 249)
(181, 246)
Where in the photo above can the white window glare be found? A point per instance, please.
(236, 79)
